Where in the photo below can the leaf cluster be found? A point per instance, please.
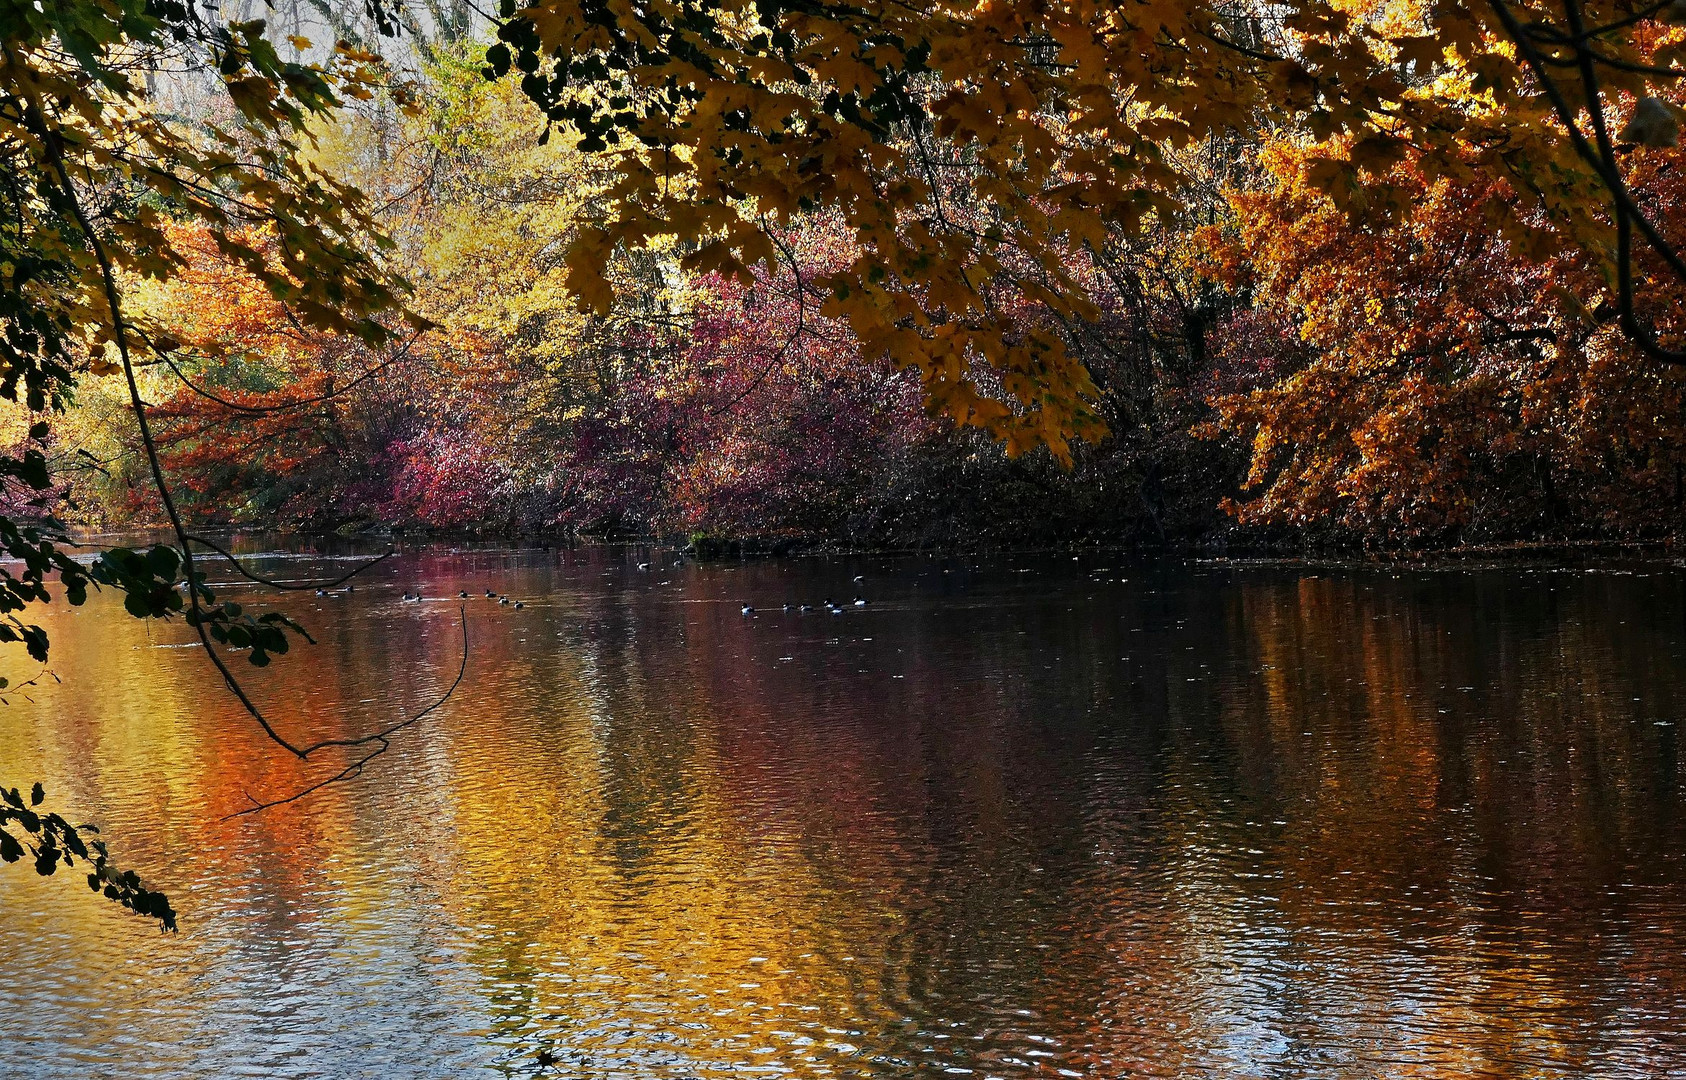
(49, 842)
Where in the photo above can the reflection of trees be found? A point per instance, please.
(1090, 834)
(1360, 868)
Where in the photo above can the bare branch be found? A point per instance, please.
(381, 741)
(299, 403)
(235, 562)
(795, 335)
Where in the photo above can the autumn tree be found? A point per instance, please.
(976, 154)
(93, 176)
(1449, 384)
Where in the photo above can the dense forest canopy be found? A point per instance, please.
(916, 273)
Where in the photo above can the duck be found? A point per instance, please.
(746, 610)
(411, 598)
(787, 607)
(837, 611)
(351, 588)
(643, 566)
(321, 592)
(860, 577)
(860, 601)
(827, 604)
(503, 599)
(490, 595)
(519, 605)
(804, 608)
(463, 595)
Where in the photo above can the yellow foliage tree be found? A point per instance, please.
(976, 150)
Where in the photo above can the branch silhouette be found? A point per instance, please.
(381, 741)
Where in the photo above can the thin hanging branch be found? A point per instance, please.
(273, 584)
(381, 740)
(35, 117)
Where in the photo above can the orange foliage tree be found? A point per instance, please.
(259, 415)
(1456, 385)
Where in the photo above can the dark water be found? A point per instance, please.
(1015, 819)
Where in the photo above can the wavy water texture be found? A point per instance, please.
(1056, 818)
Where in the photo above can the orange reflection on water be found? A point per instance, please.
(1220, 823)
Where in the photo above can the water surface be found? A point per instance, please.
(1013, 818)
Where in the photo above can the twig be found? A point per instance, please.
(234, 562)
(299, 403)
(795, 335)
(382, 740)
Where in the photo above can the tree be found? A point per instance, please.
(1454, 385)
(974, 151)
(92, 174)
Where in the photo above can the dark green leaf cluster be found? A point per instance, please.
(50, 841)
(33, 360)
(151, 584)
(37, 559)
(567, 86)
(152, 590)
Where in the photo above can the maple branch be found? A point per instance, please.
(1234, 46)
(1603, 160)
(1647, 12)
(1626, 211)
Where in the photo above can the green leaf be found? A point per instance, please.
(164, 561)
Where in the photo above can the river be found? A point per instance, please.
(1013, 817)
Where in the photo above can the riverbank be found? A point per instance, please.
(706, 548)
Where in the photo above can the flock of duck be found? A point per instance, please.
(827, 605)
(416, 597)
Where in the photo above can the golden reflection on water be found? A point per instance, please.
(1200, 822)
